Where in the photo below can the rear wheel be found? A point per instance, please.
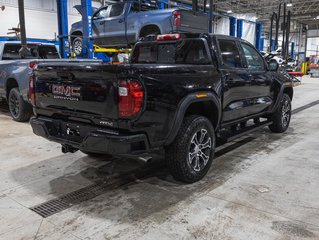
(281, 117)
(191, 154)
(149, 30)
(20, 110)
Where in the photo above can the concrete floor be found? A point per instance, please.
(267, 188)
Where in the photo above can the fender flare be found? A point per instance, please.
(182, 108)
(280, 96)
(5, 83)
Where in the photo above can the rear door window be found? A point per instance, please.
(229, 53)
(48, 52)
(11, 52)
(181, 52)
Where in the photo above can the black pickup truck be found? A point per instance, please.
(184, 93)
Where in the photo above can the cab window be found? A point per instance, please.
(102, 13)
(230, 53)
(253, 58)
(180, 52)
(116, 10)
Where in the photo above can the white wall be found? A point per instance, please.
(312, 46)
(40, 16)
(223, 25)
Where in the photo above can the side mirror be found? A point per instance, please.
(273, 65)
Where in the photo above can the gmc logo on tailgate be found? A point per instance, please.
(67, 91)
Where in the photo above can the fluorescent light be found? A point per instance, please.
(207, 5)
(229, 11)
(289, 4)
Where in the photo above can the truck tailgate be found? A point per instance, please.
(194, 22)
(72, 88)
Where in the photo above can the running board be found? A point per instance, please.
(242, 132)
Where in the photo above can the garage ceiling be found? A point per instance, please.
(303, 11)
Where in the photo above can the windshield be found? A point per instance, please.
(11, 52)
(181, 52)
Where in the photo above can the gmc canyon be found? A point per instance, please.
(183, 93)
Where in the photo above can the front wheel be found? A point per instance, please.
(20, 110)
(281, 117)
(191, 154)
(77, 46)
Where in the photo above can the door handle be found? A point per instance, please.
(121, 20)
(101, 23)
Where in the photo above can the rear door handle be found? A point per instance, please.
(102, 23)
(121, 20)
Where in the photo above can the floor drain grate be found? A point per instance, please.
(297, 110)
(66, 201)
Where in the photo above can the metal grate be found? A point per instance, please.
(66, 201)
(297, 110)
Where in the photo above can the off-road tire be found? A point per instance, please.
(179, 152)
(20, 110)
(282, 115)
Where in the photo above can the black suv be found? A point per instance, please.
(184, 93)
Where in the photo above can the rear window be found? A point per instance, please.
(11, 52)
(181, 52)
(48, 52)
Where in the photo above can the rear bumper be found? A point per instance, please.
(90, 138)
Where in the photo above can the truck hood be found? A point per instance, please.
(80, 9)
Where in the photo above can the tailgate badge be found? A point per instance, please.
(105, 123)
(66, 91)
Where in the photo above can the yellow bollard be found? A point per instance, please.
(304, 68)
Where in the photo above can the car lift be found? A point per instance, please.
(89, 49)
(62, 9)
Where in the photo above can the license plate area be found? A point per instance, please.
(72, 132)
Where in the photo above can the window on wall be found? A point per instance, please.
(230, 53)
(253, 58)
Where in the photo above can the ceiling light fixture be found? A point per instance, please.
(229, 11)
(289, 4)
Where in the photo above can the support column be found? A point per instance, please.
(62, 10)
(232, 26)
(87, 28)
(258, 36)
(24, 51)
(240, 25)
(292, 52)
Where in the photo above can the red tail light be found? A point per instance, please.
(177, 18)
(130, 99)
(168, 37)
(33, 64)
(31, 90)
